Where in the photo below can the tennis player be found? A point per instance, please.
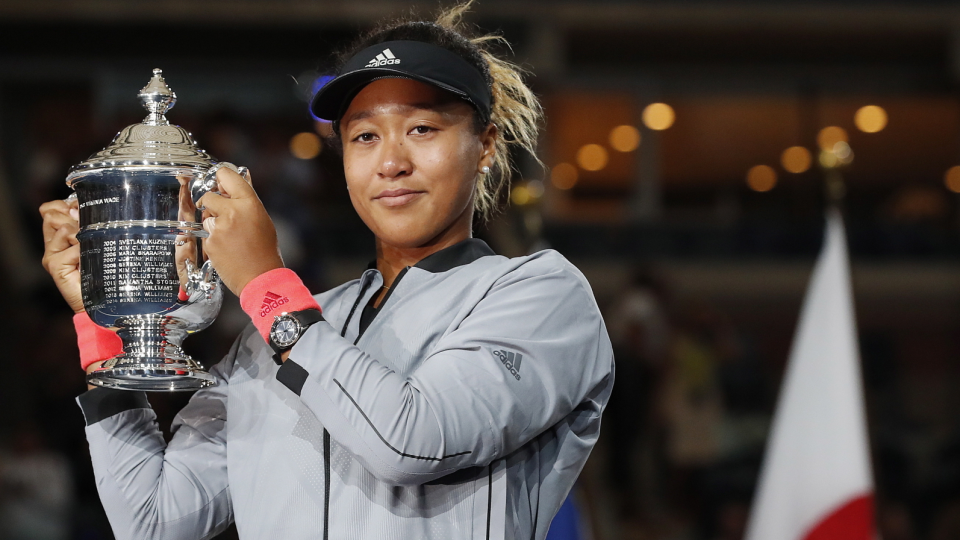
(447, 393)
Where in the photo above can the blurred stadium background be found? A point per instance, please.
(688, 147)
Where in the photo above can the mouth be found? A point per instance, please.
(397, 197)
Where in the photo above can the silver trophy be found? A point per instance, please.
(142, 267)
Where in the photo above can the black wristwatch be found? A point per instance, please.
(287, 329)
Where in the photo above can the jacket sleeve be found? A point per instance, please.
(150, 489)
(533, 351)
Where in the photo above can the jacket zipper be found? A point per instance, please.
(385, 298)
(326, 482)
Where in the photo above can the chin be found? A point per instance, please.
(403, 235)
(408, 228)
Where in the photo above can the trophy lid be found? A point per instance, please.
(155, 142)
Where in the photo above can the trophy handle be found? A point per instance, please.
(207, 182)
(204, 279)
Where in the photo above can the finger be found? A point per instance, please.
(62, 240)
(60, 206)
(54, 221)
(213, 204)
(60, 255)
(64, 265)
(233, 185)
(68, 258)
(74, 205)
(209, 224)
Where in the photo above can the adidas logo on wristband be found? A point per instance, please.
(272, 301)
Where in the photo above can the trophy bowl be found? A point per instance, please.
(142, 267)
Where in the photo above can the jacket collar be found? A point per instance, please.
(459, 254)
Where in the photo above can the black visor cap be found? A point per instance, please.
(407, 60)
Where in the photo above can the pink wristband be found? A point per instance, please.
(96, 343)
(272, 293)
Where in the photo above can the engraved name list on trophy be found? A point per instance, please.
(136, 270)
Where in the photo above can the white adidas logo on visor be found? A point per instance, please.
(383, 59)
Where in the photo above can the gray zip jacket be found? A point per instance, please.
(466, 409)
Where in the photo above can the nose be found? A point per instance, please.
(394, 160)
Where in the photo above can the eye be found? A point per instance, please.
(365, 137)
(422, 130)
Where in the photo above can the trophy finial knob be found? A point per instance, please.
(157, 98)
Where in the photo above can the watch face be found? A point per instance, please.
(285, 331)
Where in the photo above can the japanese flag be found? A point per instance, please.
(816, 479)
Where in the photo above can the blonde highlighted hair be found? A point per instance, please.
(516, 111)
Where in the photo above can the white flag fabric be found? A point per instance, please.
(816, 481)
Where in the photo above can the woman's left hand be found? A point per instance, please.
(243, 241)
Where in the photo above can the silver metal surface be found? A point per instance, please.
(142, 264)
(155, 142)
(186, 226)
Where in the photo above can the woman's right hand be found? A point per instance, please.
(61, 249)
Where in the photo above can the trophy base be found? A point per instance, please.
(125, 372)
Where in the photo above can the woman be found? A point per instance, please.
(447, 393)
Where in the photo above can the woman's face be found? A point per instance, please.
(411, 156)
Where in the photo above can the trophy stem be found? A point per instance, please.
(152, 358)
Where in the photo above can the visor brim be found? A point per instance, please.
(333, 99)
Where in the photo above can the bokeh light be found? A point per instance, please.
(535, 187)
(305, 145)
(828, 160)
(870, 118)
(526, 193)
(624, 138)
(658, 116)
(592, 157)
(796, 159)
(843, 151)
(952, 179)
(520, 195)
(564, 176)
(830, 136)
(839, 154)
(761, 178)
